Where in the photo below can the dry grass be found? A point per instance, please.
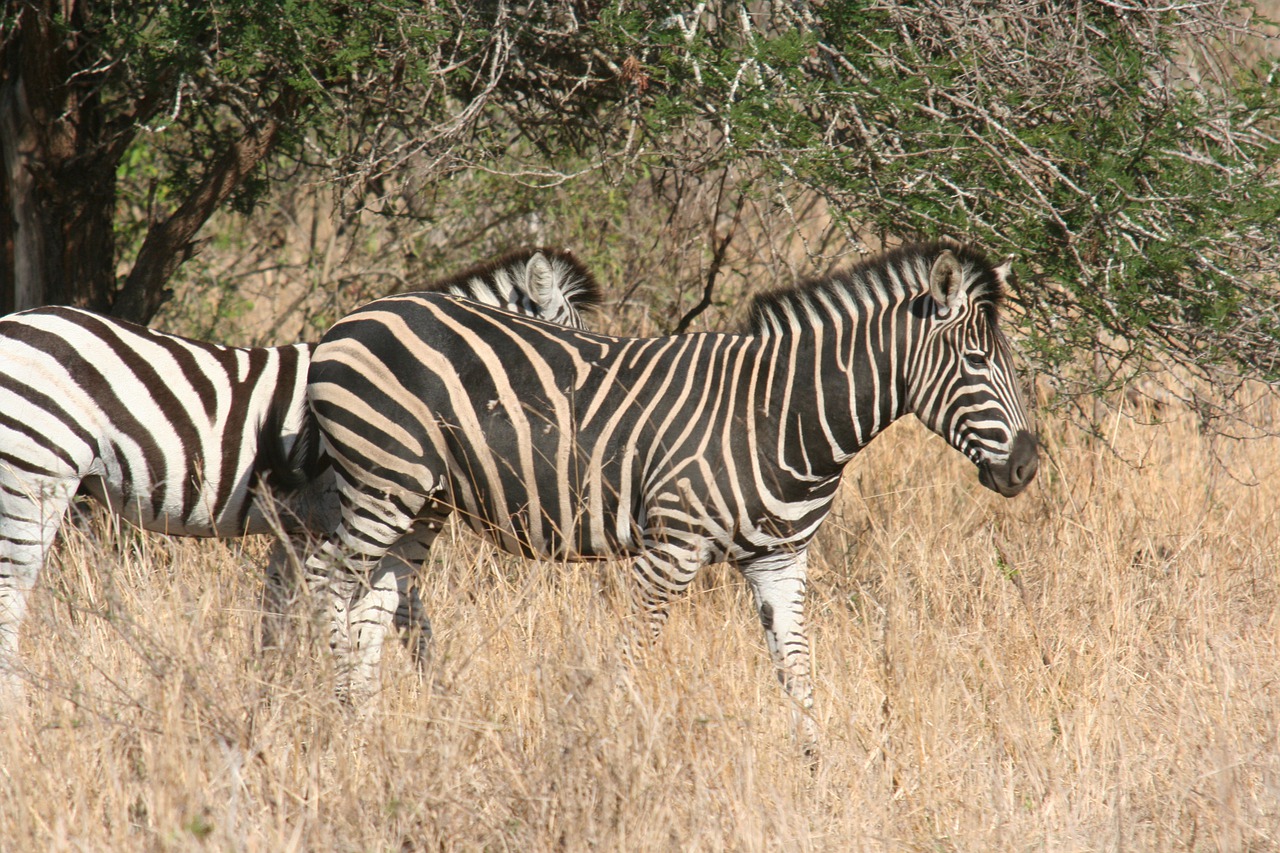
(1091, 666)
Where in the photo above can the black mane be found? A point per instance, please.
(579, 286)
(911, 262)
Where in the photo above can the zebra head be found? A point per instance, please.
(962, 383)
(549, 284)
(556, 281)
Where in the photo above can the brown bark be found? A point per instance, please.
(20, 220)
(58, 160)
(169, 243)
(58, 180)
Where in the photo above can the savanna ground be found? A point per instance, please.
(1094, 665)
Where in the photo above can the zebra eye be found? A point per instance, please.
(975, 360)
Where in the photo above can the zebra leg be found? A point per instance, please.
(280, 591)
(372, 615)
(361, 597)
(660, 575)
(393, 597)
(409, 615)
(337, 581)
(28, 524)
(296, 519)
(283, 589)
(778, 583)
(411, 552)
(412, 622)
(284, 571)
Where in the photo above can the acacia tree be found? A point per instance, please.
(202, 93)
(1124, 152)
(194, 100)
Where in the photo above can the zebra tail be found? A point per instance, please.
(289, 469)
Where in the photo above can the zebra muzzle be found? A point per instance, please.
(1018, 469)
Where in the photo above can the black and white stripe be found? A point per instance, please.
(165, 430)
(677, 451)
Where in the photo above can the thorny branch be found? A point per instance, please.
(1125, 152)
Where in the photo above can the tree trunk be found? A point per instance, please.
(58, 176)
(20, 222)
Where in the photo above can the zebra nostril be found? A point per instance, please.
(1025, 459)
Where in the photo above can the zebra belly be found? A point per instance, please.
(670, 523)
(532, 529)
(313, 508)
(152, 506)
(545, 501)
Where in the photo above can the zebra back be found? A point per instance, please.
(544, 283)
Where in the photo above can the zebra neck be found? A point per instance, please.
(836, 385)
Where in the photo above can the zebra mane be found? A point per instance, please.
(895, 274)
(574, 281)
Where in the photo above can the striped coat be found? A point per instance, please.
(166, 431)
(676, 451)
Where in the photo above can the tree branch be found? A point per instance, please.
(717, 261)
(171, 242)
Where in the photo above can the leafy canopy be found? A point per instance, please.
(1125, 154)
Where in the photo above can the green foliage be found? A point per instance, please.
(199, 75)
(1142, 203)
(1125, 156)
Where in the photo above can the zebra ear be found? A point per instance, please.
(946, 283)
(1004, 272)
(539, 280)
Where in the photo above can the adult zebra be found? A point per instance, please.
(164, 430)
(677, 451)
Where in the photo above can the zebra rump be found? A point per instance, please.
(172, 433)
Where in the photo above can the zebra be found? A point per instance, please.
(675, 451)
(165, 431)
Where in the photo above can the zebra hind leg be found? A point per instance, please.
(284, 586)
(778, 582)
(360, 595)
(372, 615)
(409, 617)
(412, 552)
(414, 626)
(337, 586)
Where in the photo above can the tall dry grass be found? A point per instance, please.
(1092, 666)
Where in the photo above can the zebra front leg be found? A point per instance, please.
(778, 582)
(298, 520)
(282, 587)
